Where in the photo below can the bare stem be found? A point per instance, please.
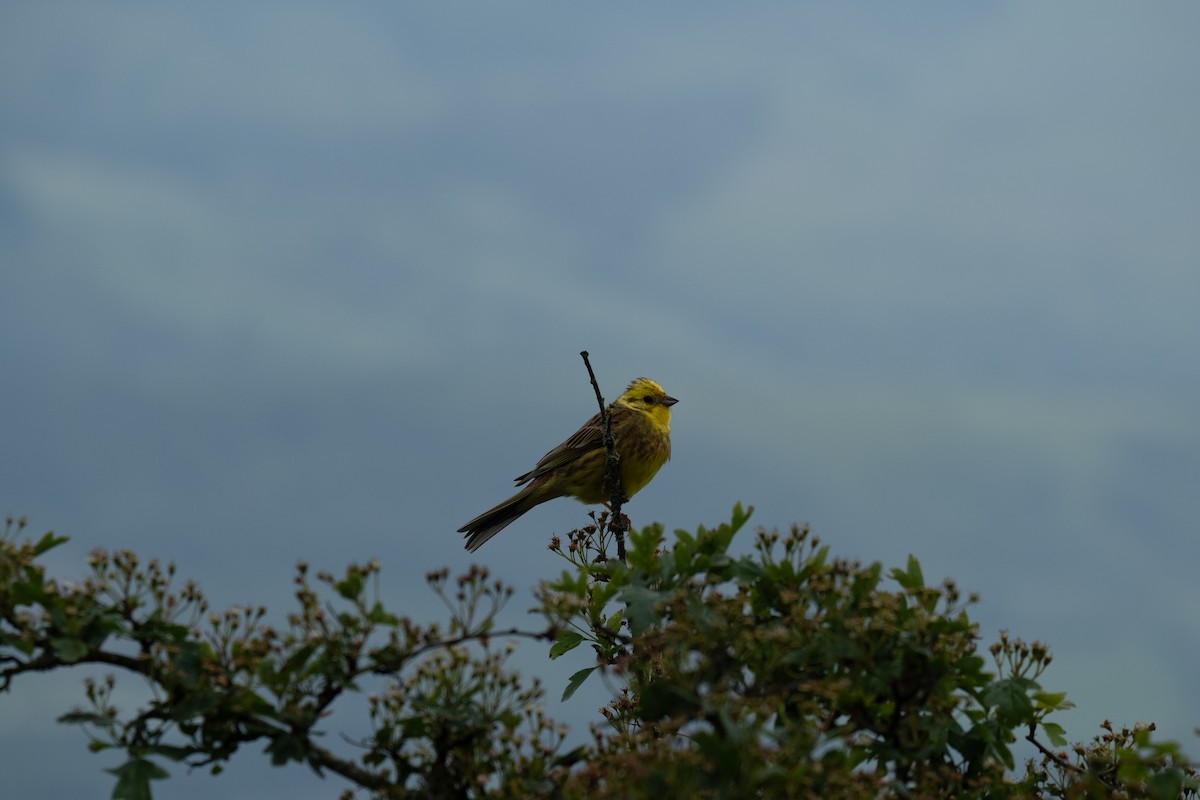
(1061, 762)
(612, 465)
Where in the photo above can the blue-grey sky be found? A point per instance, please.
(309, 281)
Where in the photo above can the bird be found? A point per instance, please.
(641, 427)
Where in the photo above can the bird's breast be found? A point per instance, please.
(642, 455)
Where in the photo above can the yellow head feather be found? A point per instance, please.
(649, 398)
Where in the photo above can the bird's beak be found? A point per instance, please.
(669, 401)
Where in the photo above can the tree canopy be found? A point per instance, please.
(782, 672)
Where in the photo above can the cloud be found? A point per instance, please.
(923, 276)
(948, 173)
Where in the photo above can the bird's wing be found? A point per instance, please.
(588, 438)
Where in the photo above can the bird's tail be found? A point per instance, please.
(496, 519)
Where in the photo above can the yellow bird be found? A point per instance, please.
(641, 426)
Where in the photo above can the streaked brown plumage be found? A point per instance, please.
(641, 426)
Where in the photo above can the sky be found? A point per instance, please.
(300, 281)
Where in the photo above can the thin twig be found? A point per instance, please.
(1067, 765)
(612, 465)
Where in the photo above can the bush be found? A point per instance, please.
(782, 673)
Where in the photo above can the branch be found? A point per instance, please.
(1062, 762)
(612, 466)
(317, 757)
(48, 661)
(320, 758)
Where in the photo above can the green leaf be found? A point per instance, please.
(31, 591)
(172, 752)
(47, 542)
(747, 571)
(288, 747)
(866, 581)
(971, 668)
(188, 663)
(910, 577)
(295, 663)
(576, 681)
(1010, 699)
(643, 547)
(351, 587)
(571, 583)
(640, 607)
(255, 703)
(1055, 733)
(86, 718)
(381, 616)
(685, 550)
(133, 779)
(1052, 701)
(194, 704)
(1166, 785)
(666, 698)
(157, 629)
(565, 642)
(68, 649)
(740, 516)
(602, 595)
(572, 757)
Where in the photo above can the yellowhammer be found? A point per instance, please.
(641, 426)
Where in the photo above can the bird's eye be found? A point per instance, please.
(648, 399)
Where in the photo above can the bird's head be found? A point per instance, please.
(648, 397)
